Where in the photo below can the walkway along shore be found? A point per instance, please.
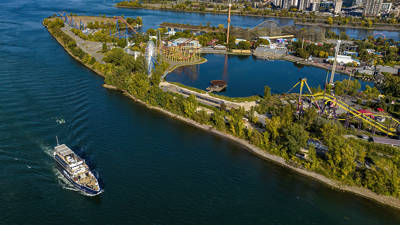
(360, 191)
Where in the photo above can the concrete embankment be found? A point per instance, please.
(360, 191)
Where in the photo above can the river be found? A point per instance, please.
(155, 170)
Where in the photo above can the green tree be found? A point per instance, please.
(244, 45)
(104, 48)
(218, 120)
(294, 137)
(190, 105)
(267, 92)
(329, 21)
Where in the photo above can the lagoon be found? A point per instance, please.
(247, 75)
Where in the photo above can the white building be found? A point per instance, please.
(343, 60)
(186, 42)
(238, 40)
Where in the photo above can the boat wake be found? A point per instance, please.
(47, 149)
(63, 182)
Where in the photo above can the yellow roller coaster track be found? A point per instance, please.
(356, 113)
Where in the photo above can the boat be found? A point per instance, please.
(75, 170)
(217, 86)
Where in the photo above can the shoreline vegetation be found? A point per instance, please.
(166, 103)
(327, 22)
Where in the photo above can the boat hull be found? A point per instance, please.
(82, 188)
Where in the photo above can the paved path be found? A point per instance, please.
(205, 98)
(92, 48)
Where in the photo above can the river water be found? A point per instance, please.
(155, 170)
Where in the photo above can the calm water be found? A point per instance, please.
(148, 177)
(246, 75)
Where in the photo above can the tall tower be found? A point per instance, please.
(334, 62)
(338, 6)
(229, 23)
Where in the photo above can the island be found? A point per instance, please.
(335, 134)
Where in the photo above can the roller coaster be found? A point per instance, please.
(330, 101)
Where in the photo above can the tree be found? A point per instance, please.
(370, 23)
(151, 32)
(114, 56)
(267, 92)
(303, 53)
(273, 126)
(329, 21)
(104, 48)
(294, 137)
(190, 106)
(391, 85)
(121, 43)
(244, 45)
(371, 92)
(218, 120)
(341, 157)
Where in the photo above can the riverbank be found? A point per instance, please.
(362, 192)
(257, 151)
(381, 27)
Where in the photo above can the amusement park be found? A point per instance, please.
(165, 46)
(340, 130)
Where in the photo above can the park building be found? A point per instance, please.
(185, 42)
(343, 60)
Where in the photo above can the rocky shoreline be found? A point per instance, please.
(360, 191)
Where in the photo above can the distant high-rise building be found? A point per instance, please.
(338, 6)
(285, 4)
(301, 5)
(357, 2)
(372, 7)
(386, 8)
(304, 4)
(277, 3)
(315, 5)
